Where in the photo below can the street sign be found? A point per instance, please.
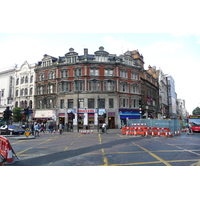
(27, 132)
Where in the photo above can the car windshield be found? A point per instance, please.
(195, 122)
(12, 127)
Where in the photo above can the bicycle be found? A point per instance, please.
(104, 130)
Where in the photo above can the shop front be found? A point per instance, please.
(111, 120)
(126, 114)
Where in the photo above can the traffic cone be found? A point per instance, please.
(10, 155)
(134, 133)
(146, 133)
(158, 133)
(166, 134)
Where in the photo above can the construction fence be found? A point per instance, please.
(174, 125)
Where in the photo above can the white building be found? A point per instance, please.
(24, 86)
(6, 89)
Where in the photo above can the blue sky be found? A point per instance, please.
(176, 54)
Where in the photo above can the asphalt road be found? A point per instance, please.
(113, 149)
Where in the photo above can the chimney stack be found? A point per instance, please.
(85, 52)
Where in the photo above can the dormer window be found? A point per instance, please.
(71, 56)
(101, 59)
(71, 60)
(46, 63)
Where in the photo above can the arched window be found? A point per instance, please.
(16, 104)
(31, 91)
(22, 80)
(26, 91)
(31, 79)
(17, 81)
(26, 79)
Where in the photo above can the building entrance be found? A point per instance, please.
(111, 122)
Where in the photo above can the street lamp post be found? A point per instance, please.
(78, 103)
(98, 99)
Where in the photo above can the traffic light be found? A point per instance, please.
(140, 106)
(7, 114)
(26, 111)
(104, 115)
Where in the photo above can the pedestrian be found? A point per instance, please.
(50, 128)
(32, 129)
(104, 127)
(190, 128)
(60, 128)
(42, 128)
(36, 128)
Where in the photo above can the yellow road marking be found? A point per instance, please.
(152, 154)
(72, 142)
(153, 162)
(16, 142)
(105, 159)
(33, 146)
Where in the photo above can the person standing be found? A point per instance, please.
(190, 128)
(60, 128)
(37, 129)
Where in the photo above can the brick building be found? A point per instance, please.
(88, 85)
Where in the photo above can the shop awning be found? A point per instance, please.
(43, 114)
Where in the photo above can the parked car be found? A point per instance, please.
(16, 130)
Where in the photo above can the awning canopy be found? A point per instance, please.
(43, 114)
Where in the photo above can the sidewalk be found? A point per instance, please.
(23, 137)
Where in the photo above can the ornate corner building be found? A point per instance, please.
(88, 85)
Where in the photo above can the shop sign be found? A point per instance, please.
(111, 114)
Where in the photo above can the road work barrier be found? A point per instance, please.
(174, 125)
(147, 131)
(85, 131)
(6, 151)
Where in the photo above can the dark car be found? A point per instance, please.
(15, 130)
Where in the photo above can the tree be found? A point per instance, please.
(17, 114)
(196, 111)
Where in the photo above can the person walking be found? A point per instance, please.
(37, 129)
(60, 128)
(50, 128)
(42, 128)
(190, 128)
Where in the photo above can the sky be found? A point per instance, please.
(166, 33)
(174, 53)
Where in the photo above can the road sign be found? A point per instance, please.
(27, 132)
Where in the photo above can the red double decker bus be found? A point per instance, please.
(195, 121)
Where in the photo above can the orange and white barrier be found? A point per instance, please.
(84, 131)
(6, 151)
(146, 131)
